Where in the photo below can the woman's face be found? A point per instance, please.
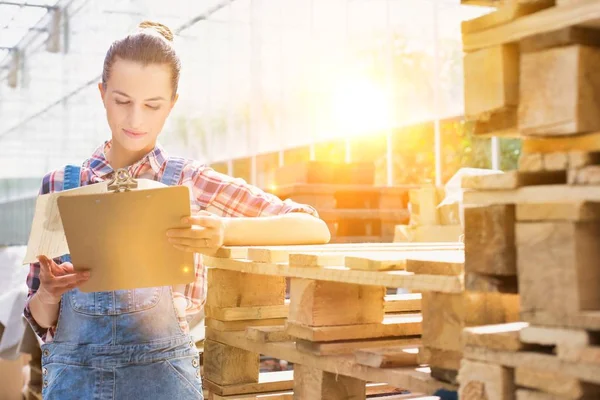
(138, 100)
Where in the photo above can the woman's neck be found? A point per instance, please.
(119, 157)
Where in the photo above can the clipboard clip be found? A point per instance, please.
(122, 181)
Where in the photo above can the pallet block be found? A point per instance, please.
(565, 254)
(480, 380)
(559, 91)
(445, 315)
(322, 303)
(314, 384)
(559, 38)
(227, 365)
(388, 357)
(491, 80)
(555, 384)
(441, 359)
(490, 240)
(238, 289)
(423, 206)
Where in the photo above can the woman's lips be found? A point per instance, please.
(134, 134)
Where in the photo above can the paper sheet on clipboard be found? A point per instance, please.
(47, 236)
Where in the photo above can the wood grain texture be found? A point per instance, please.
(443, 359)
(499, 337)
(267, 382)
(264, 334)
(350, 346)
(480, 380)
(505, 13)
(313, 384)
(565, 211)
(387, 357)
(228, 365)
(513, 180)
(561, 37)
(555, 384)
(239, 289)
(228, 326)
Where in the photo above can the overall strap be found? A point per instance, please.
(173, 170)
(72, 177)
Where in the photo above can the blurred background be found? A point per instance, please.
(264, 83)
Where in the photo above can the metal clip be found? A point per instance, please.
(122, 181)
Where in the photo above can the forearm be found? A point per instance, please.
(292, 228)
(44, 313)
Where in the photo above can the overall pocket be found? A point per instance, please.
(114, 303)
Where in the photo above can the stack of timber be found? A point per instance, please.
(340, 330)
(430, 222)
(346, 198)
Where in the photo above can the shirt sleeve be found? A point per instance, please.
(233, 197)
(33, 278)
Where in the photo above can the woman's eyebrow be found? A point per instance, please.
(150, 99)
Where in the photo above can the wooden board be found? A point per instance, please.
(247, 313)
(505, 13)
(443, 359)
(322, 303)
(349, 346)
(431, 266)
(446, 315)
(387, 357)
(556, 384)
(499, 337)
(531, 162)
(490, 240)
(315, 384)
(265, 334)
(488, 283)
(533, 194)
(392, 325)
(416, 379)
(398, 260)
(391, 279)
(406, 302)
(589, 175)
(559, 38)
(227, 326)
(580, 13)
(583, 319)
(235, 289)
(589, 142)
(228, 365)
(566, 211)
(491, 80)
(558, 91)
(541, 361)
(513, 180)
(423, 202)
(480, 380)
(441, 234)
(267, 382)
(499, 123)
(570, 269)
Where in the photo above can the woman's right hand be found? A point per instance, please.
(57, 279)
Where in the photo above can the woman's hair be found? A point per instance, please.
(151, 44)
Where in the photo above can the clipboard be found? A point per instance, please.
(120, 236)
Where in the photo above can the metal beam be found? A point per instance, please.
(12, 3)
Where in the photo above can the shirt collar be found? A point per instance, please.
(100, 166)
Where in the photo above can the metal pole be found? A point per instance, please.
(436, 101)
(389, 162)
(313, 131)
(495, 143)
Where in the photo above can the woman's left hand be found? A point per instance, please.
(206, 234)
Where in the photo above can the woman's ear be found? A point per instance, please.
(102, 91)
(175, 98)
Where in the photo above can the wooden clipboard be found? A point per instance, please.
(121, 237)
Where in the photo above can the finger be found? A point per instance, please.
(207, 221)
(198, 243)
(185, 248)
(44, 266)
(66, 268)
(66, 280)
(195, 232)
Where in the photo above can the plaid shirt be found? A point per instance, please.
(212, 191)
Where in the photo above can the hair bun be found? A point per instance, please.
(163, 30)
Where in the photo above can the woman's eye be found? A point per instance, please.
(152, 107)
(121, 102)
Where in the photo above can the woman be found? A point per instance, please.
(134, 344)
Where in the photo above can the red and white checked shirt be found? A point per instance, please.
(219, 193)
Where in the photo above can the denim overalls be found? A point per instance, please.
(125, 344)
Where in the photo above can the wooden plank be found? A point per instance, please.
(579, 159)
(531, 162)
(570, 269)
(314, 384)
(533, 194)
(423, 202)
(446, 315)
(584, 143)
(416, 379)
(499, 123)
(276, 254)
(556, 161)
(524, 394)
(567, 211)
(561, 37)
(406, 302)
(557, 384)
(498, 67)
(480, 380)
(322, 303)
(289, 395)
(388, 357)
(513, 180)
(551, 106)
(240, 289)
(443, 359)
(228, 326)
(490, 240)
(547, 336)
(541, 361)
(264, 334)
(398, 260)
(583, 319)
(580, 355)
(247, 313)
(267, 382)
(500, 337)
(392, 326)
(441, 234)
(488, 283)
(437, 267)
(349, 346)
(589, 175)
(582, 13)
(505, 13)
(228, 365)
(232, 252)
(390, 279)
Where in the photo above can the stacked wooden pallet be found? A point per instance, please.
(346, 198)
(531, 70)
(339, 329)
(430, 222)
